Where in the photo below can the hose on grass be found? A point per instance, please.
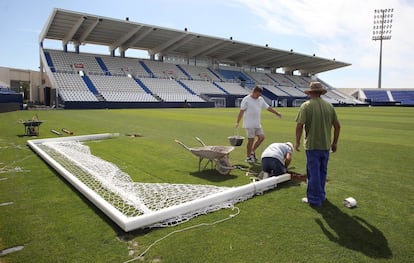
(185, 229)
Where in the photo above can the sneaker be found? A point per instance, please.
(249, 159)
(306, 201)
(253, 155)
(263, 175)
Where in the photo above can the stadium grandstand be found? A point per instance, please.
(182, 69)
(385, 97)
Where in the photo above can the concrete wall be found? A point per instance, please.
(12, 76)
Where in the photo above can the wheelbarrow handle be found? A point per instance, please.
(198, 139)
(182, 144)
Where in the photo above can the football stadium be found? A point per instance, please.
(113, 158)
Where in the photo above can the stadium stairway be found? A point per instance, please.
(272, 78)
(225, 91)
(92, 88)
(103, 66)
(186, 87)
(267, 93)
(215, 74)
(147, 69)
(291, 81)
(185, 72)
(50, 62)
(143, 86)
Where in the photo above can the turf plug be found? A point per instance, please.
(67, 131)
(56, 132)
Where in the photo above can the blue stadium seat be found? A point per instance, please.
(406, 97)
(377, 95)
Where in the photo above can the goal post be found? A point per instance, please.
(91, 195)
(132, 205)
(240, 193)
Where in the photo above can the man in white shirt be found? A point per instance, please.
(251, 108)
(276, 158)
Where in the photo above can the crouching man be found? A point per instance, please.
(276, 159)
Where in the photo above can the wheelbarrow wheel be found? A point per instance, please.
(223, 166)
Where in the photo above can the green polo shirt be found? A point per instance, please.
(318, 117)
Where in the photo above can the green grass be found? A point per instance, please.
(56, 224)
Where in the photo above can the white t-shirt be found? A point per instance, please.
(277, 150)
(253, 108)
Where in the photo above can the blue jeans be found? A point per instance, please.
(316, 169)
(273, 166)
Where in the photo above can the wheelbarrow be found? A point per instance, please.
(219, 155)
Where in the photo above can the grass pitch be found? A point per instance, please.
(56, 224)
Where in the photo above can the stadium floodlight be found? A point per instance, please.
(382, 31)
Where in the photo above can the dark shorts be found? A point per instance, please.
(272, 166)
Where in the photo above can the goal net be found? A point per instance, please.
(130, 204)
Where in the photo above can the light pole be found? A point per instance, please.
(382, 31)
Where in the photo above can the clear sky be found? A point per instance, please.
(340, 29)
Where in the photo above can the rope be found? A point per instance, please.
(185, 229)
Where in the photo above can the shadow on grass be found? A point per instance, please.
(352, 232)
(120, 233)
(213, 175)
(91, 205)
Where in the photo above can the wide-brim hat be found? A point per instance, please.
(315, 86)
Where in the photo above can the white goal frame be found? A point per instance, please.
(129, 223)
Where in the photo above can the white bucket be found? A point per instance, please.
(350, 202)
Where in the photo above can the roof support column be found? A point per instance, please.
(288, 71)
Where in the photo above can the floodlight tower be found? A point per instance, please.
(382, 31)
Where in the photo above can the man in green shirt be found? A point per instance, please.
(317, 117)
